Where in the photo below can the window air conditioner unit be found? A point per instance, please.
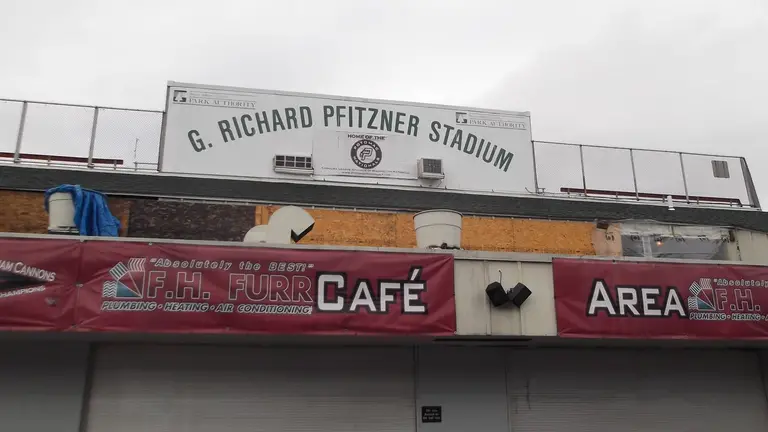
(431, 169)
(292, 164)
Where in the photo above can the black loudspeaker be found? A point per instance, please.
(496, 294)
(519, 294)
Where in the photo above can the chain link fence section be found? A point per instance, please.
(64, 135)
(56, 134)
(578, 170)
(127, 140)
(10, 118)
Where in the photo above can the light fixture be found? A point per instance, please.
(670, 205)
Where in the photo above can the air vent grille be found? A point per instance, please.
(431, 168)
(720, 169)
(293, 164)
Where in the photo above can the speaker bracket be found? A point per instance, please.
(499, 296)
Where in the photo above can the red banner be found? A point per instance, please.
(136, 287)
(642, 300)
(37, 284)
(207, 289)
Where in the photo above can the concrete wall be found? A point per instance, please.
(750, 247)
(474, 314)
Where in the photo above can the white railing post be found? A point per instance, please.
(161, 146)
(20, 134)
(685, 181)
(583, 173)
(634, 174)
(93, 136)
(535, 170)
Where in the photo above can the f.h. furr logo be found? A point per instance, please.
(127, 281)
(366, 154)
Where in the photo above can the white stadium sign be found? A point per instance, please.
(304, 137)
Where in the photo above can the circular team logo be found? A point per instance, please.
(366, 154)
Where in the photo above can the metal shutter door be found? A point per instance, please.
(468, 383)
(41, 385)
(221, 389)
(636, 390)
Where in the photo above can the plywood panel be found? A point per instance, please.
(559, 237)
(405, 235)
(488, 233)
(121, 209)
(24, 212)
(384, 229)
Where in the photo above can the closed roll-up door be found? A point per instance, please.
(41, 385)
(221, 389)
(636, 390)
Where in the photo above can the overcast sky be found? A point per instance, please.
(678, 75)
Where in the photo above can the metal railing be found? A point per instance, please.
(107, 138)
(55, 134)
(642, 175)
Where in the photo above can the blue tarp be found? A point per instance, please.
(92, 215)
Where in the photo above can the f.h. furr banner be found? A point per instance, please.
(68, 285)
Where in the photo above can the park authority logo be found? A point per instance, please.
(365, 153)
(489, 120)
(127, 280)
(180, 96)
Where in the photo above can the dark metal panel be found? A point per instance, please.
(190, 221)
(42, 385)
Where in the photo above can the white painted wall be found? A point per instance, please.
(751, 247)
(474, 313)
(237, 132)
